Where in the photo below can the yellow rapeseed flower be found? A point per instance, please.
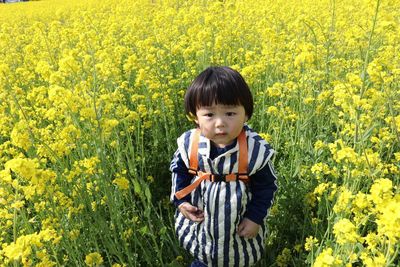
(345, 232)
(343, 201)
(310, 243)
(327, 259)
(381, 191)
(24, 167)
(122, 183)
(93, 259)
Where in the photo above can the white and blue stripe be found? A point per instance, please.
(215, 241)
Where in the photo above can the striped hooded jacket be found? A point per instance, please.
(215, 241)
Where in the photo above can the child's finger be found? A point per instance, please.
(240, 229)
(196, 216)
(192, 213)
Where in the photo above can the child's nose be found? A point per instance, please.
(219, 122)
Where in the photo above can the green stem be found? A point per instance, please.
(364, 69)
(366, 59)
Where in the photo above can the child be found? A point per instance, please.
(223, 182)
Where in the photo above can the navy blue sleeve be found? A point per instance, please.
(263, 187)
(180, 178)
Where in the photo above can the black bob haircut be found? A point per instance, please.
(218, 85)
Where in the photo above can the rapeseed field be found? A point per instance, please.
(91, 102)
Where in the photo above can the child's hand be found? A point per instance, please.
(248, 228)
(191, 212)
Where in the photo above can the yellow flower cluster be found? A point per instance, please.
(356, 211)
(93, 259)
(326, 259)
(26, 245)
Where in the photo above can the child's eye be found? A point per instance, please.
(231, 113)
(208, 115)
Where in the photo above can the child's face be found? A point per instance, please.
(221, 123)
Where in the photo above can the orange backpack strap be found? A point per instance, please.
(194, 164)
(243, 156)
(194, 148)
(188, 189)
